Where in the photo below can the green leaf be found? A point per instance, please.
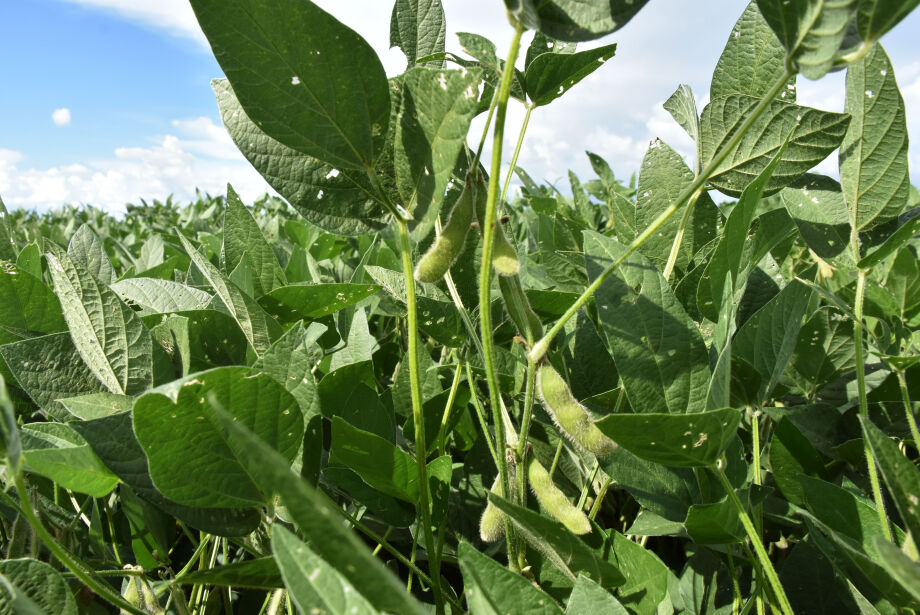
(812, 31)
(318, 520)
(26, 303)
(551, 75)
(792, 454)
(7, 244)
(340, 201)
(290, 361)
(658, 350)
(58, 452)
(812, 135)
(305, 78)
(49, 368)
(109, 336)
(311, 582)
(112, 439)
(589, 598)
(492, 589)
(647, 578)
(824, 352)
(160, 296)
(309, 301)
(244, 242)
(873, 156)
(86, 249)
(188, 459)
(905, 233)
(716, 522)
(682, 107)
(900, 476)
(418, 28)
(567, 552)
(38, 584)
(574, 20)
(752, 61)
(258, 327)
(377, 461)
(903, 283)
(683, 440)
(876, 17)
(905, 570)
(437, 106)
(803, 572)
(259, 573)
(815, 203)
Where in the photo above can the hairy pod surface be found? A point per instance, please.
(492, 522)
(518, 306)
(504, 256)
(570, 416)
(447, 247)
(553, 499)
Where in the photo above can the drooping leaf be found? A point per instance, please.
(311, 301)
(58, 452)
(338, 200)
(647, 580)
(96, 405)
(36, 584)
(160, 296)
(377, 461)
(551, 75)
(305, 78)
(574, 20)
(905, 233)
(109, 336)
(682, 107)
(259, 573)
(902, 568)
(812, 135)
(875, 17)
(244, 242)
(492, 589)
(873, 155)
(419, 29)
(589, 598)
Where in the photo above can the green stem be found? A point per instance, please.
(485, 281)
(583, 496)
(596, 508)
(485, 130)
(418, 416)
(736, 588)
(764, 559)
(78, 568)
(540, 348)
(679, 236)
(909, 409)
(517, 152)
(480, 414)
(858, 304)
(552, 466)
(445, 418)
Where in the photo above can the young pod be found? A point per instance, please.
(492, 523)
(504, 256)
(570, 416)
(447, 247)
(518, 306)
(554, 500)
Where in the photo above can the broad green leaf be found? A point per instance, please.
(419, 29)
(10, 442)
(30, 260)
(311, 301)
(815, 203)
(213, 338)
(574, 20)
(752, 61)
(903, 284)
(551, 75)
(291, 360)
(338, 200)
(716, 522)
(812, 135)
(388, 509)
(873, 155)
(382, 466)
(112, 439)
(682, 107)
(259, 573)
(541, 44)
(824, 351)
(792, 454)
(767, 340)
(812, 31)
(188, 459)
(493, 589)
(905, 233)
(841, 511)
(39, 584)
(589, 598)
(805, 570)
(318, 520)
(58, 452)
(566, 551)
(109, 336)
(646, 576)
(86, 249)
(437, 106)
(658, 350)
(244, 242)
(311, 582)
(8, 249)
(900, 476)
(683, 440)
(160, 296)
(96, 405)
(49, 368)
(663, 176)
(899, 566)
(666, 491)
(359, 347)
(305, 78)
(259, 328)
(875, 17)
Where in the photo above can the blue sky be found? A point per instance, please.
(108, 101)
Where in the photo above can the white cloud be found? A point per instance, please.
(202, 157)
(173, 16)
(61, 117)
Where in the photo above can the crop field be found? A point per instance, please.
(404, 387)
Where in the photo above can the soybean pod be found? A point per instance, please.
(492, 522)
(447, 247)
(504, 256)
(554, 501)
(570, 416)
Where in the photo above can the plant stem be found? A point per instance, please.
(764, 559)
(445, 418)
(679, 237)
(517, 152)
(480, 414)
(909, 409)
(599, 500)
(485, 281)
(527, 415)
(418, 416)
(78, 568)
(858, 304)
(540, 348)
(583, 496)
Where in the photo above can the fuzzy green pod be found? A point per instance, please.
(138, 593)
(570, 416)
(518, 306)
(447, 247)
(504, 256)
(492, 522)
(554, 500)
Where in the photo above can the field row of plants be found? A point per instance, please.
(407, 388)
